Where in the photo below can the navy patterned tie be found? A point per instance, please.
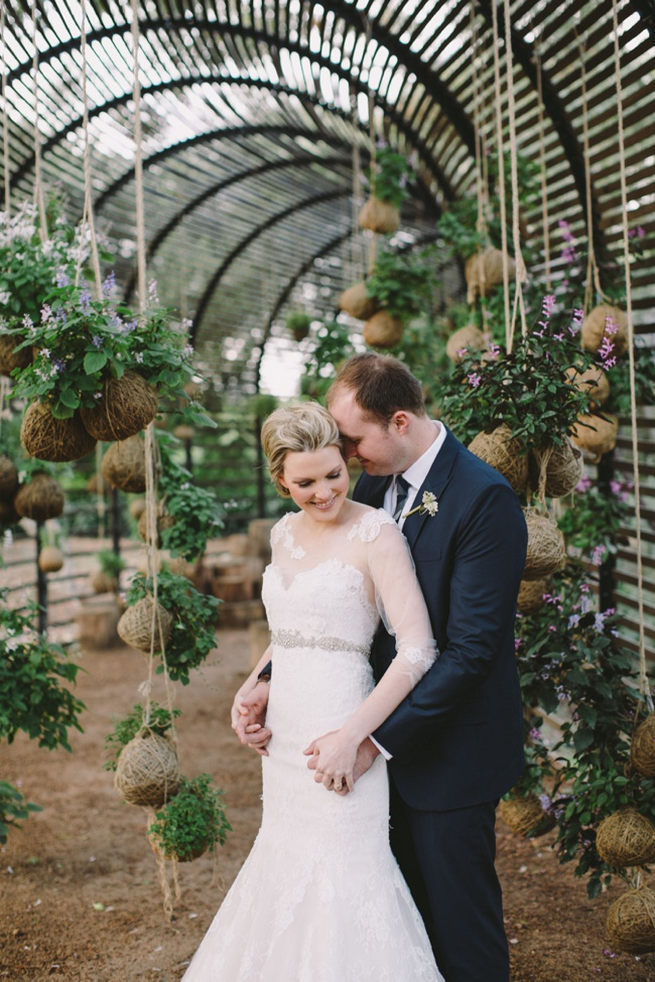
(402, 487)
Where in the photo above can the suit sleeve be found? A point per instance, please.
(488, 560)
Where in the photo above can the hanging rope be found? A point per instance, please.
(371, 131)
(480, 188)
(521, 274)
(88, 199)
(643, 676)
(39, 197)
(500, 148)
(592, 279)
(545, 220)
(152, 468)
(5, 117)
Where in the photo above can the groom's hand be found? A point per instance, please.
(249, 718)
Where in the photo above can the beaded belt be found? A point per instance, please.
(294, 639)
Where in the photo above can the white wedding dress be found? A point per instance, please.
(320, 897)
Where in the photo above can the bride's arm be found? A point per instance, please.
(247, 687)
(405, 614)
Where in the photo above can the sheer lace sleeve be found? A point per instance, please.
(400, 602)
(391, 569)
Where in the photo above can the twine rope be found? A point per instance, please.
(501, 175)
(520, 271)
(542, 169)
(88, 199)
(372, 244)
(39, 197)
(481, 223)
(643, 675)
(5, 116)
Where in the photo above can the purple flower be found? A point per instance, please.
(636, 233)
(85, 301)
(597, 555)
(493, 351)
(109, 284)
(46, 313)
(474, 379)
(584, 483)
(61, 278)
(517, 643)
(576, 323)
(96, 341)
(534, 733)
(58, 365)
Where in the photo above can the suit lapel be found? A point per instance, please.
(437, 478)
(371, 490)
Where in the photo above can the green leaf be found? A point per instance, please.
(94, 361)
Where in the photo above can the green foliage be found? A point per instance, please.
(194, 619)
(402, 282)
(159, 721)
(33, 676)
(197, 512)
(458, 227)
(619, 401)
(80, 341)
(572, 664)
(28, 268)
(191, 822)
(526, 389)
(331, 345)
(298, 324)
(111, 562)
(13, 807)
(592, 522)
(387, 176)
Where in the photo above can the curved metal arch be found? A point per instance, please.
(254, 234)
(427, 76)
(27, 166)
(271, 165)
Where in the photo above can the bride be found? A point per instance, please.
(320, 897)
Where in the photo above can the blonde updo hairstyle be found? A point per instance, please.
(302, 428)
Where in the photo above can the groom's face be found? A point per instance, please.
(375, 445)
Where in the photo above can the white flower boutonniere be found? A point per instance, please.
(429, 506)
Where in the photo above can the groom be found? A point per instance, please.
(455, 744)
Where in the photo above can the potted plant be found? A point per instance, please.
(160, 721)
(298, 324)
(106, 578)
(192, 822)
(400, 285)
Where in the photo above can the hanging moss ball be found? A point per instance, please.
(593, 381)
(51, 559)
(356, 302)
(102, 582)
(48, 438)
(596, 434)
(626, 838)
(383, 330)
(546, 552)
(8, 477)
(484, 271)
(525, 815)
(503, 453)
(559, 468)
(124, 465)
(163, 522)
(531, 595)
(126, 406)
(137, 625)
(631, 922)
(642, 747)
(9, 357)
(40, 499)
(379, 216)
(469, 338)
(148, 771)
(599, 323)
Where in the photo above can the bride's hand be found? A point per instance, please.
(248, 717)
(332, 756)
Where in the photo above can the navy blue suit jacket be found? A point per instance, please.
(457, 739)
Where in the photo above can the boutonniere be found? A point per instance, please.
(429, 505)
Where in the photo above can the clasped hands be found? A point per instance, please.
(336, 759)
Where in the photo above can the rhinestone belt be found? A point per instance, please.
(294, 639)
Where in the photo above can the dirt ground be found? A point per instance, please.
(80, 898)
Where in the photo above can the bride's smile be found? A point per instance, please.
(317, 481)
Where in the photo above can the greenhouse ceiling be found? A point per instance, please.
(259, 118)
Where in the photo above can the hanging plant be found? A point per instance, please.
(192, 822)
(387, 177)
(124, 464)
(148, 770)
(356, 302)
(298, 324)
(40, 498)
(383, 330)
(51, 438)
(160, 721)
(143, 620)
(193, 615)
(126, 406)
(105, 579)
(402, 282)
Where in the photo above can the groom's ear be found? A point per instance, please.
(400, 421)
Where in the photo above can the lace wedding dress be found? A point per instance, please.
(320, 898)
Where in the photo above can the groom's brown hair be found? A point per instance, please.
(382, 385)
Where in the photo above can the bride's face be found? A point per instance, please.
(317, 481)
